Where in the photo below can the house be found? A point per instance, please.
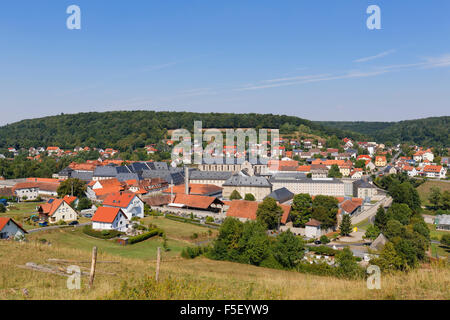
(71, 200)
(56, 210)
(196, 202)
(380, 161)
(210, 190)
(26, 190)
(9, 229)
(53, 150)
(108, 218)
(389, 170)
(131, 205)
(363, 189)
(351, 206)
(442, 222)
(379, 243)
(356, 173)
(411, 171)
(422, 155)
(313, 229)
(432, 171)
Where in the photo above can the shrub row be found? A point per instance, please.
(104, 234)
(145, 236)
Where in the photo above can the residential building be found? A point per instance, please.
(56, 210)
(26, 190)
(131, 205)
(9, 229)
(432, 171)
(380, 161)
(110, 218)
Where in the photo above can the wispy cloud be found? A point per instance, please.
(377, 56)
(427, 63)
(311, 78)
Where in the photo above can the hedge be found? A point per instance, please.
(145, 236)
(105, 234)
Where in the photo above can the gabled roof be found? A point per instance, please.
(195, 189)
(349, 206)
(281, 195)
(4, 221)
(196, 201)
(313, 223)
(51, 206)
(69, 199)
(106, 214)
(119, 199)
(243, 209)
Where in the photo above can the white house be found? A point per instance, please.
(10, 229)
(26, 190)
(312, 229)
(107, 218)
(432, 171)
(130, 203)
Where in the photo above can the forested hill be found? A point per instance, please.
(425, 132)
(128, 130)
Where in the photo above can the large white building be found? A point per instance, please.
(298, 183)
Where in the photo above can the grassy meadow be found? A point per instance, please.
(425, 189)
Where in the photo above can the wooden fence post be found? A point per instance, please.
(158, 263)
(93, 263)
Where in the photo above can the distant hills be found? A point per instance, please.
(425, 132)
(128, 130)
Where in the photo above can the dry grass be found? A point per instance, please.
(425, 189)
(199, 279)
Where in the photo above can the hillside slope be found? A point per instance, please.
(134, 129)
(426, 132)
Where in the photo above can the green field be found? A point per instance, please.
(425, 189)
(76, 239)
(21, 211)
(181, 231)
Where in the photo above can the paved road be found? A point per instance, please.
(57, 227)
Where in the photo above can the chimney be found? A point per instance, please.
(186, 180)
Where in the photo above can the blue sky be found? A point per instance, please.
(312, 59)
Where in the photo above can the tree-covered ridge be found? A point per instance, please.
(127, 130)
(433, 132)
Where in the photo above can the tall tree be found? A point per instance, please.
(74, 187)
(381, 218)
(269, 213)
(301, 209)
(346, 225)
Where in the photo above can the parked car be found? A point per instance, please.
(317, 242)
(73, 223)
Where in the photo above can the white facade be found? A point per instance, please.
(134, 209)
(29, 193)
(64, 213)
(120, 223)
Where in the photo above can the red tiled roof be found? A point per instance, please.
(313, 223)
(195, 189)
(243, 209)
(430, 168)
(350, 206)
(119, 199)
(49, 208)
(195, 201)
(24, 185)
(5, 220)
(69, 199)
(106, 214)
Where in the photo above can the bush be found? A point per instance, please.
(193, 252)
(324, 239)
(104, 234)
(145, 236)
(324, 250)
(209, 219)
(445, 240)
